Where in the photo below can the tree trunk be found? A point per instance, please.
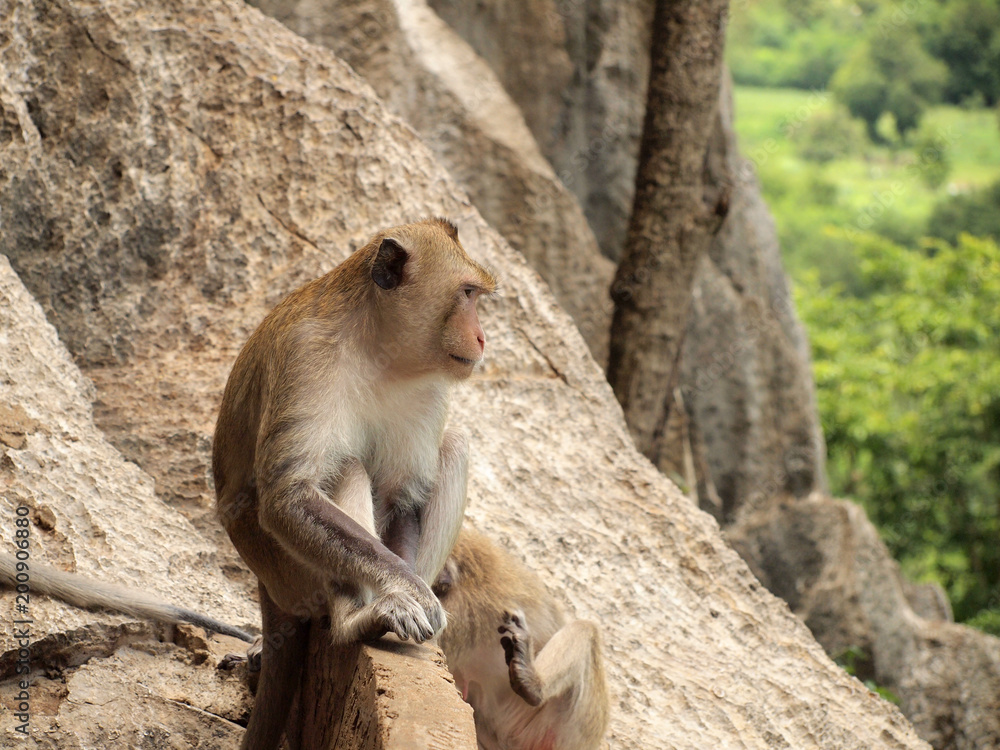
(675, 213)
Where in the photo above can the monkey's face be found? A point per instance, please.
(427, 290)
(462, 339)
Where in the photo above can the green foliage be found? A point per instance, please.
(987, 620)
(780, 43)
(889, 72)
(908, 383)
(932, 160)
(828, 135)
(965, 35)
(977, 213)
(877, 188)
(905, 340)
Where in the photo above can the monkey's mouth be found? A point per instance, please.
(463, 360)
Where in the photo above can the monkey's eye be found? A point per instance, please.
(468, 291)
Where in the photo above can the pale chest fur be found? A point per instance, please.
(394, 430)
(400, 437)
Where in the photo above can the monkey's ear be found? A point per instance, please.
(387, 271)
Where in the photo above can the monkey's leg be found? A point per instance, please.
(441, 518)
(285, 640)
(571, 659)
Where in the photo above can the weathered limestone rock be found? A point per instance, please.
(95, 513)
(825, 559)
(431, 78)
(745, 369)
(589, 122)
(196, 161)
(144, 695)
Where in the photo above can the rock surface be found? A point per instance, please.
(431, 78)
(746, 378)
(588, 122)
(172, 169)
(746, 374)
(825, 559)
(94, 513)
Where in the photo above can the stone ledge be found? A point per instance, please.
(390, 695)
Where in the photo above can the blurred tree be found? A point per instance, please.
(965, 35)
(889, 72)
(933, 163)
(827, 135)
(781, 43)
(977, 213)
(677, 208)
(908, 384)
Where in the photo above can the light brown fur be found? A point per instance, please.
(535, 681)
(335, 476)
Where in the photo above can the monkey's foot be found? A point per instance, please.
(252, 656)
(519, 654)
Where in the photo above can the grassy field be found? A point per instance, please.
(872, 187)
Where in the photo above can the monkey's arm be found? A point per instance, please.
(441, 519)
(571, 660)
(318, 532)
(87, 594)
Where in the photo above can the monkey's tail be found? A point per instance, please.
(86, 594)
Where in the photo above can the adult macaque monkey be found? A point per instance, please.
(334, 474)
(534, 681)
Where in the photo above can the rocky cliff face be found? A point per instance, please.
(825, 559)
(746, 372)
(746, 421)
(578, 70)
(169, 171)
(94, 513)
(745, 436)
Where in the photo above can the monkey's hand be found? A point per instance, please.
(519, 654)
(415, 613)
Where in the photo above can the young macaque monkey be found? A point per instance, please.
(335, 476)
(87, 594)
(534, 681)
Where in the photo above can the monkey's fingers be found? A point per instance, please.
(403, 615)
(431, 605)
(518, 653)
